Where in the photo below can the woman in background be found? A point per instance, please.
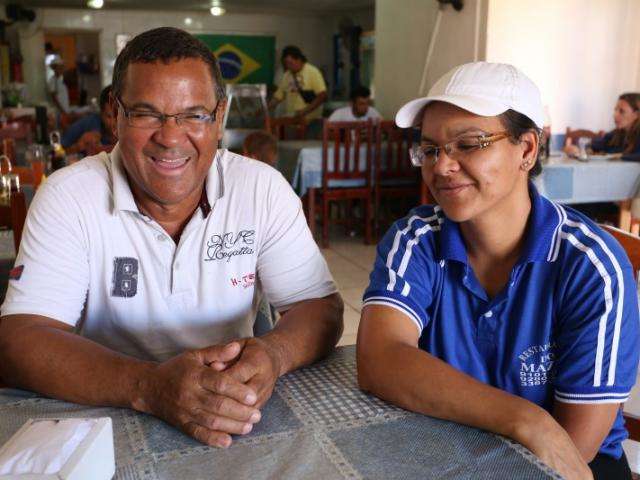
(625, 138)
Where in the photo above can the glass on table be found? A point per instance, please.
(583, 143)
(9, 182)
(36, 159)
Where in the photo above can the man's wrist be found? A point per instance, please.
(278, 351)
(140, 386)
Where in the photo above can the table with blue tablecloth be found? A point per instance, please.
(570, 181)
(317, 425)
(563, 180)
(300, 161)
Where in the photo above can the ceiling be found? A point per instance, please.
(232, 6)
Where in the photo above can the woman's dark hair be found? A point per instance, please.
(516, 124)
(626, 140)
(165, 44)
(293, 52)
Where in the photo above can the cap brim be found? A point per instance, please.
(410, 114)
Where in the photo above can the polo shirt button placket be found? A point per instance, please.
(487, 326)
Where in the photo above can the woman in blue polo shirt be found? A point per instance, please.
(498, 308)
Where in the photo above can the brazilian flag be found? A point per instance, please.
(243, 58)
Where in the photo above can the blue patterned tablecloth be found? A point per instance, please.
(317, 425)
(565, 180)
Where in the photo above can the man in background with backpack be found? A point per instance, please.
(302, 87)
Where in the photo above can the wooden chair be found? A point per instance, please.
(631, 245)
(395, 176)
(18, 206)
(574, 135)
(13, 216)
(17, 213)
(287, 128)
(27, 175)
(16, 131)
(345, 164)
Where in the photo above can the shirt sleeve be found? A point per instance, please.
(598, 323)
(375, 114)
(404, 271)
(52, 265)
(290, 265)
(282, 86)
(316, 81)
(336, 116)
(601, 144)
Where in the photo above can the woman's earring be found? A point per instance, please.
(526, 164)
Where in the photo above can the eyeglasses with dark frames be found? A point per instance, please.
(151, 119)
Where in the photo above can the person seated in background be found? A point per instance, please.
(359, 109)
(497, 308)
(625, 138)
(261, 146)
(93, 132)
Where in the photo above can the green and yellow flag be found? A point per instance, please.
(243, 58)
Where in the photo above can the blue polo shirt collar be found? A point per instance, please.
(542, 233)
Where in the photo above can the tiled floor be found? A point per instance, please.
(350, 262)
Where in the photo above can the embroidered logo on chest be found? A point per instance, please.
(228, 245)
(245, 281)
(124, 282)
(536, 365)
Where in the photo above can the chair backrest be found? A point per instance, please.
(18, 206)
(16, 131)
(287, 128)
(574, 135)
(347, 151)
(392, 152)
(630, 243)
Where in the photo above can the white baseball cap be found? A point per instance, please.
(486, 89)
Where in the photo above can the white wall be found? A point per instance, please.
(403, 32)
(581, 53)
(309, 32)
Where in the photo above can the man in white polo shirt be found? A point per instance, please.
(359, 110)
(157, 253)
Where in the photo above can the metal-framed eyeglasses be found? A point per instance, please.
(459, 149)
(151, 119)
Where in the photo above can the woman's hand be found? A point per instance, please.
(548, 441)
(571, 149)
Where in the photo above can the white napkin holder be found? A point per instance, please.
(93, 457)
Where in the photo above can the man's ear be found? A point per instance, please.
(113, 107)
(222, 108)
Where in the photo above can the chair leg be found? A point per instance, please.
(311, 210)
(325, 222)
(367, 220)
(624, 219)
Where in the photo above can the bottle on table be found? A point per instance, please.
(58, 155)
